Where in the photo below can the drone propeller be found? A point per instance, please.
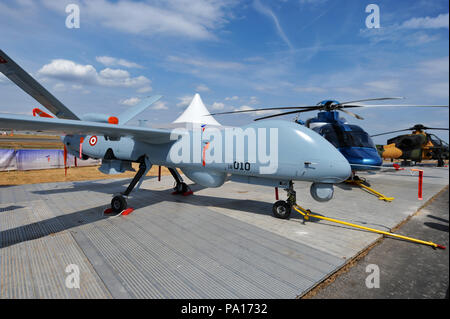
(326, 106)
(417, 127)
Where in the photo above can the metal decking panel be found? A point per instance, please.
(219, 243)
(168, 249)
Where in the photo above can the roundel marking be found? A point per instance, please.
(93, 140)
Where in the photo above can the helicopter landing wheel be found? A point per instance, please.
(118, 204)
(281, 209)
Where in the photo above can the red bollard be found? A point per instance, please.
(276, 193)
(159, 173)
(420, 185)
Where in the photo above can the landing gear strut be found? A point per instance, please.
(282, 209)
(181, 187)
(119, 202)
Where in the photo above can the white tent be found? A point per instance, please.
(195, 113)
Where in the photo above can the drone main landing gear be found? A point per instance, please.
(282, 209)
(119, 202)
(181, 187)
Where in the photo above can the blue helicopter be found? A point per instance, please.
(351, 140)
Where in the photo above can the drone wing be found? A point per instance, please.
(23, 80)
(68, 127)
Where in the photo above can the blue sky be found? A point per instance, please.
(236, 54)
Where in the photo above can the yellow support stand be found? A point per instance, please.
(360, 183)
(307, 214)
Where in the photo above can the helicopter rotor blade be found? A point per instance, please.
(374, 99)
(436, 128)
(350, 113)
(394, 105)
(266, 109)
(390, 132)
(284, 113)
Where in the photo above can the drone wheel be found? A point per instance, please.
(118, 204)
(281, 209)
(181, 188)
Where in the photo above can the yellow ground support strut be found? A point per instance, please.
(307, 214)
(360, 183)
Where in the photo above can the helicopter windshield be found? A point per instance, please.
(339, 137)
(358, 139)
(436, 140)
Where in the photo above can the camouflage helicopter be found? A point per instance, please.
(417, 146)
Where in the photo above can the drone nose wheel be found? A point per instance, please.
(281, 209)
(118, 203)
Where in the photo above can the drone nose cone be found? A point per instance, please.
(343, 170)
(335, 169)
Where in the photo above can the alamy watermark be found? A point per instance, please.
(373, 19)
(373, 279)
(73, 279)
(73, 18)
(231, 145)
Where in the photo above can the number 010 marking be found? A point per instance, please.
(241, 166)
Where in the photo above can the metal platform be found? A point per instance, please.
(219, 243)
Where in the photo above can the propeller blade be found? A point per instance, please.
(266, 109)
(65, 160)
(408, 129)
(284, 113)
(352, 114)
(374, 99)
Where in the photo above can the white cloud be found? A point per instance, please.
(435, 67)
(202, 88)
(382, 86)
(131, 101)
(218, 106)
(196, 19)
(206, 63)
(233, 98)
(145, 89)
(403, 32)
(160, 105)
(441, 21)
(310, 89)
(185, 100)
(268, 12)
(67, 70)
(110, 61)
(114, 74)
(59, 87)
(439, 90)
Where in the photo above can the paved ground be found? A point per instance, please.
(219, 243)
(406, 271)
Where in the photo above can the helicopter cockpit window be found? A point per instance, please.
(328, 132)
(359, 139)
(435, 140)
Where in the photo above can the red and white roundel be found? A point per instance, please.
(93, 140)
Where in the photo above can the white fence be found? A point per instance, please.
(29, 159)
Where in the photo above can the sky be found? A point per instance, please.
(236, 54)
